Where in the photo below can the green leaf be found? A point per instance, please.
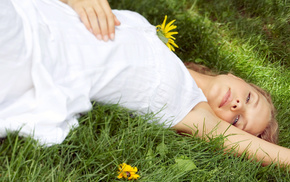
(162, 149)
(199, 61)
(184, 163)
(162, 37)
(150, 156)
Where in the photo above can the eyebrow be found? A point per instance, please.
(257, 101)
(255, 106)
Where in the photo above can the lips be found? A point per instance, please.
(225, 99)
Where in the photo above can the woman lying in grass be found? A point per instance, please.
(52, 67)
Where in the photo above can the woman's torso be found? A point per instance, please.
(69, 67)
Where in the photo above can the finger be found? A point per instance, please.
(93, 19)
(102, 20)
(84, 18)
(103, 24)
(117, 22)
(111, 26)
(110, 17)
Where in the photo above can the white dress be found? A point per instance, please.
(51, 68)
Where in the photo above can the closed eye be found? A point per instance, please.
(248, 98)
(236, 120)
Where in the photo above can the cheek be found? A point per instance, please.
(226, 116)
(213, 95)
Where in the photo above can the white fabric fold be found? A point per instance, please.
(51, 68)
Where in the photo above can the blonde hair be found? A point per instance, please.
(270, 133)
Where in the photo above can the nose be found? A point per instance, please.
(236, 105)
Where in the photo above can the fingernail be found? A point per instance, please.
(112, 36)
(91, 30)
(106, 38)
(99, 37)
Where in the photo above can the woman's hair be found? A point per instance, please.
(270, 133)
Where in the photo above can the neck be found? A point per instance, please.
(203, 81)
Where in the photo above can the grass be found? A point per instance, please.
(248, 38)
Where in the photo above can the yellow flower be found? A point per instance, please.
(127, 172)
(163, 32)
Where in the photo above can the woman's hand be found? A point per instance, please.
(97, 16)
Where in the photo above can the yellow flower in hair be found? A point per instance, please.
(127, 172)
(163, 32)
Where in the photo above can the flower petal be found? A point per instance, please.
(134, 176)
(169, 26)
(134, 169)
(164, 21)
(171, 33)
(170, 47)
(172, 42)
(120, 176)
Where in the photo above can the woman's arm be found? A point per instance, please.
(97, 16)
(208, 123)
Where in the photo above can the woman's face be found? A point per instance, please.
(238, 103)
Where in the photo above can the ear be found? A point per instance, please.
(229, 74)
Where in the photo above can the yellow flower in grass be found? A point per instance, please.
(163, 32)
(127, 172)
